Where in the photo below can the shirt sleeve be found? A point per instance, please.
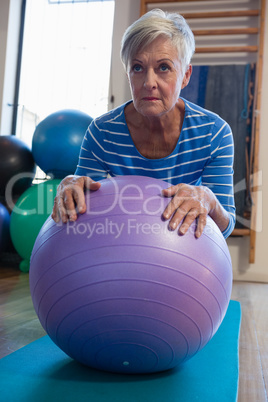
(89, 164)
(218, 173)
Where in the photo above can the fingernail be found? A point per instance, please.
(172, 226)
(183, 230)
(164, 217)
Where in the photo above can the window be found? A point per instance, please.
(65, 60)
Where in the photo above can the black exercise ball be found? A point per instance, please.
(17, 165)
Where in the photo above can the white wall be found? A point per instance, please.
(239, 248)
(126, 12)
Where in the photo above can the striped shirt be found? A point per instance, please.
(203, 154)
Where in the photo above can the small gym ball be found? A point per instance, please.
(117, 291)
(28, 215)
(4, 228)
(57, 140)
(16, 163)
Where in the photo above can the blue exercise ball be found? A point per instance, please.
(57, 140)
(4, 227)
(17, 165)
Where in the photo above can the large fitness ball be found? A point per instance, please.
(4, 228)
(117, 291)
(28, 216)
(17, 165)
(57, 140)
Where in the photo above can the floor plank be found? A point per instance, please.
(253, 350)
(19, 324)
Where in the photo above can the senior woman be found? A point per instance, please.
(158, 133)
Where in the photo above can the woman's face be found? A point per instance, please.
(156, 78)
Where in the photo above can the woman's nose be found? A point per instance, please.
(150, 81)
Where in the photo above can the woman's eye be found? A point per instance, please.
(137, 68)
(164, 67)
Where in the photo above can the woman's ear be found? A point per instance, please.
(187, 77)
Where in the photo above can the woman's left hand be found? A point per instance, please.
(189, 203)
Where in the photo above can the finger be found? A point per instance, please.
(178, 217)
(67, 207)
(188, 221)
(54, 215)
(59, 211)
(173, 206)
(201, 223)
(62, 211)
(75, 202)
(79, 198)
(182, 218)
(170, 191)
(91, 184)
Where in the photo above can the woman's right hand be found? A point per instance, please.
(70, 198)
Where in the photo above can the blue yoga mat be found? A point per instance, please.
(41, 372)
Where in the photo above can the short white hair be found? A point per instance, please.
(150, 26)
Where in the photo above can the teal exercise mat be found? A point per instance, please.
(41, 372)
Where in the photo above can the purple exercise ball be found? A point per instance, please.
(117, 291)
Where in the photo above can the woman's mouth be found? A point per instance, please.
(150, 98)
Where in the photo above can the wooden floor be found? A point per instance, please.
(20, 326)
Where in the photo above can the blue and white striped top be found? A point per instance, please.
(202, 156)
